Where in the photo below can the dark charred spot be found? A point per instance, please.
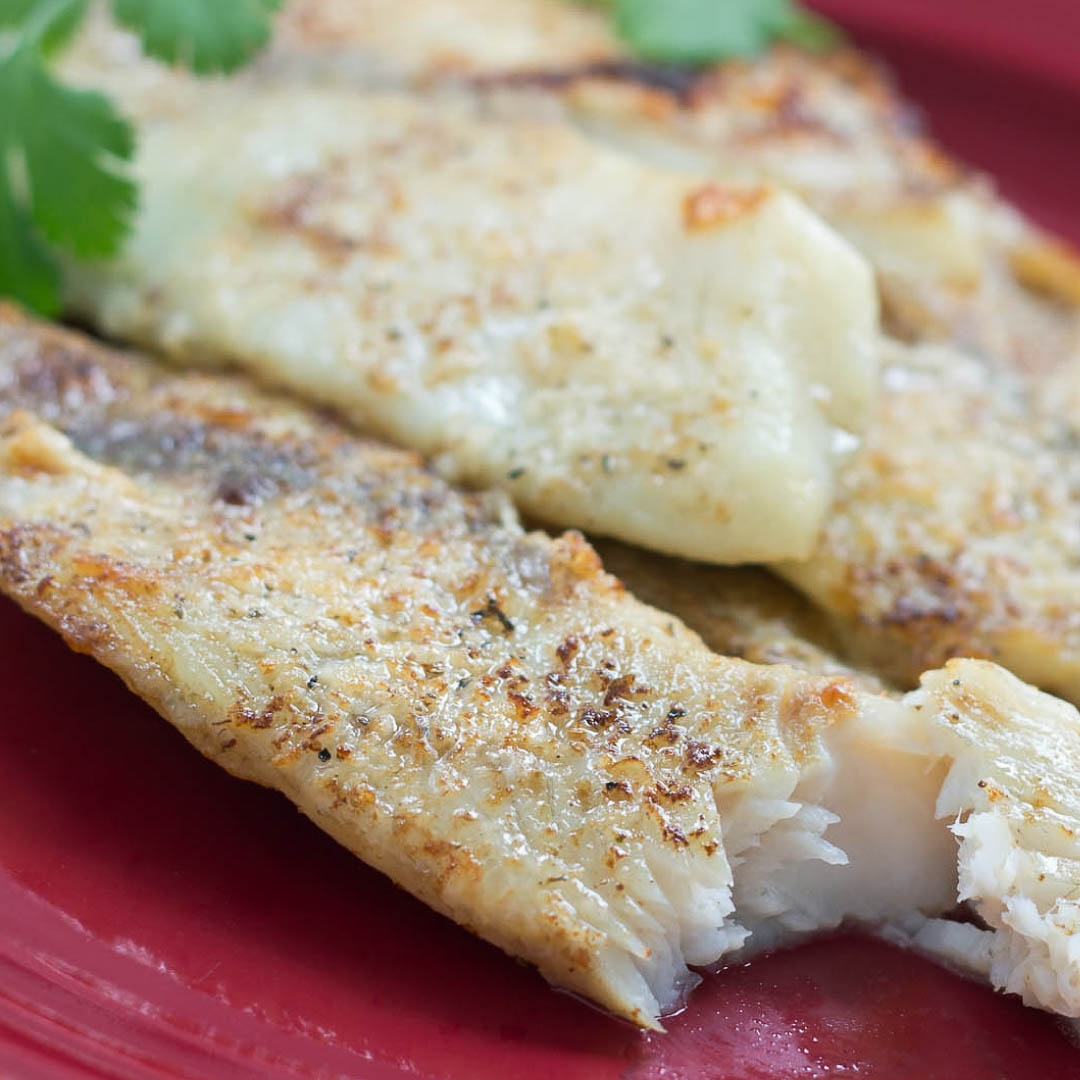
(567, 649)
(524, 706)
(699, 755)
(619, 689)
(558, 700)
(679, 82)
(239, 488)
(682, 793)
(242, 713)
(676, 712)
(508, 674)
(674, 833)
(665, 735)
(597, 719)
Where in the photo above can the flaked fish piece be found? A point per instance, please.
(618, 346)
(489, 718)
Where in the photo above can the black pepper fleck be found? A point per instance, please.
(492, 609)
(324, 754)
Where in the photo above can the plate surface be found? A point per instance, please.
(159, 919)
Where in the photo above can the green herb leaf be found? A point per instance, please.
(27, 269)
(812, 32)
(696, 32)
(53, 24)
(60, 155)
(206, 35)
(68, 145)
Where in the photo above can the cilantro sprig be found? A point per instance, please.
(695, 32)
(64, 182)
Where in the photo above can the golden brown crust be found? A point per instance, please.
(742, 612)
(955, 530)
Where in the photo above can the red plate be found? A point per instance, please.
(159, 919)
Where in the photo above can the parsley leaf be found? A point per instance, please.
(63, 184)
(60, 20)
(60, 156)
(699, 31)
(206, 35)
(27, 269)
(68, 143)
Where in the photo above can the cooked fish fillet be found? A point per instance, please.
(489, 718)
(953, 260)
(618, 346)
(955, 531)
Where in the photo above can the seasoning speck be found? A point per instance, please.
(324, 754)
(492, 609)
